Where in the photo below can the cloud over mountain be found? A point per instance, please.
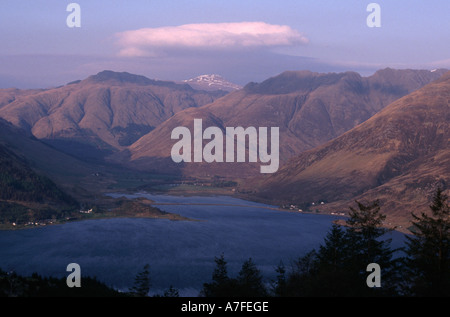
(228, 36)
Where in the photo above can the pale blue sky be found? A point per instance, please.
(38, 49)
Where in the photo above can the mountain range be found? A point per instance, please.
(342, 136)
(100, 114)
(399, 156)
(309, 109)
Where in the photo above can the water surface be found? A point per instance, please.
(180, 253)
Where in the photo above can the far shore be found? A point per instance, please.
(176, 217)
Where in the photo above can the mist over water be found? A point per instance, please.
(180, 253)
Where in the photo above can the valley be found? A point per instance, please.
(343, 137)
(224, 150)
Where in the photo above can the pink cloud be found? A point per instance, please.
(146, 41)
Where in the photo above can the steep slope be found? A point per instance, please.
(41, 157)
(27, 196)
(309, 109)
(399, 156)
(104, 112)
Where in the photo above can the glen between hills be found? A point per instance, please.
(112, 131)
(40, 185)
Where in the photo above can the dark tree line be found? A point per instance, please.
(14, 285)
(20, 186)
(428, 251)
(339, 266)
(19, 182)
(248, 283)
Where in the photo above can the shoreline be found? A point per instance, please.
(236, 196)
(155, 204)
(176, 217)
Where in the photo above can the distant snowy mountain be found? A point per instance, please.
(211, 82)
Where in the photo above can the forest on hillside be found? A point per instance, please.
(26, 195)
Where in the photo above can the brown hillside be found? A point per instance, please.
(106, 111)
(309, 108)
(399, 156)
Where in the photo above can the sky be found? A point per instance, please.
(244, 40)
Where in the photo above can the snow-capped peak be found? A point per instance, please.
(212, 82)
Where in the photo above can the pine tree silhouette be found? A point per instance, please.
(141, 285)
(428, 250)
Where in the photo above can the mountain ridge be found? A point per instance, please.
(100, 114)
(310, 109)
(400, 156)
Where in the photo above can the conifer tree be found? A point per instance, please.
(250, 281)
(365, 234)
(335, 251)
(338, 267)
(301, 279)
(279, 286)
(428, 250)
(141, 285)
(221, 285)
(171, 292)
(335, 272)
(365, 230)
